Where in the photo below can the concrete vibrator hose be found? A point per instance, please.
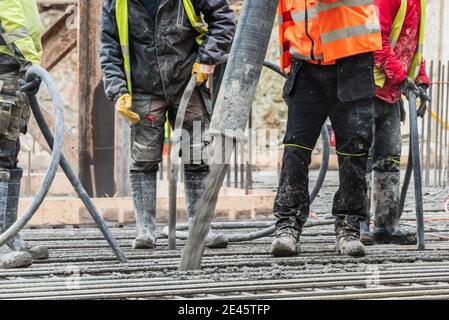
(55, 157)
(414, 165)
(174, 170)
(56, 145)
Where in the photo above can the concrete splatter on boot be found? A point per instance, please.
(347, 230)
(286, 243)
(8, 257)
(365, 235)
(143, 191)
(12, 206)
(194, 189)
(386, 200)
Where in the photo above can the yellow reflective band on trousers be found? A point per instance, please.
(122, 18)
(298, 146)
(396, 30)
(351, 154)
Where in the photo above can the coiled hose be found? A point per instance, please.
(175, 166)
(55, 156)
(56, 145)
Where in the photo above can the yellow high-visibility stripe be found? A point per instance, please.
(298, 146)
(396, 30)
(351, 155)
(122, 18)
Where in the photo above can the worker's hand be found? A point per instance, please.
(425, 99)
(409, 86)
(123, 106)
(202, 72)
(31, 87)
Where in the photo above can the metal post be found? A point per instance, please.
(429, 130)
(441, 125)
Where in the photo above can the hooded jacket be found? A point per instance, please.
(162, 49)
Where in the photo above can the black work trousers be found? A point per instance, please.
(313, 93)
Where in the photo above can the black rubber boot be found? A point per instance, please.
(12, 207)
(286, 243)
(194, 189)
(8, 257)
(386, 211)
(143, 192)
(347, 231)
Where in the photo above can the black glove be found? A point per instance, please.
(425, 99)
(409, 86)
(32, 87)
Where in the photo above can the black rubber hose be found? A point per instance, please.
(407, 178)
(58, 110)
(417, 175)
(83, 195)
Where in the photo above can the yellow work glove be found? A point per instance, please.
(123, 106)
(202, 72)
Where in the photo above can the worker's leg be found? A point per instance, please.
(307, 112)
(10, 125)
(353, 123)
(193, 144)
(387, 177)
(147, 139)
(365, 235)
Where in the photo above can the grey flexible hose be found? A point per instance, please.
(55, 157)
(56, 146)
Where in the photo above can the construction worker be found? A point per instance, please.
(327, 48)
(149, 51)
(20, 47)
(399, 69)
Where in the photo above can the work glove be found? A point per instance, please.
(409, 86)
(202, 72)
(123, 106)
(425, 99)
(31, 87)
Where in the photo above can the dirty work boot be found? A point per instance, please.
(386, 200)
(194, 189)
(365, 235)
(398, 236)
(347, 230)
(286, 243)
(12, 206)
(8, 257)
(143, 192)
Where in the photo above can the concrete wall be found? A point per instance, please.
(437, 37)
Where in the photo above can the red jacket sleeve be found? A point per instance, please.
(423, 78)
(385, 59)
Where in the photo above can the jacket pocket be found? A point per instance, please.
(290, 83)
(355, 76)
(7, 104)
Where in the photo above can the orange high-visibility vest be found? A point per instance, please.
(326, 30)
